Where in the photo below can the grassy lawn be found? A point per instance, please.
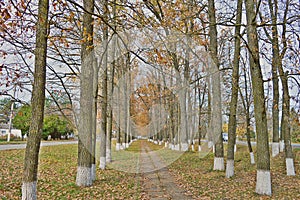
(196, 175)
(57, 173)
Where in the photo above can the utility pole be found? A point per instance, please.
(11, 116)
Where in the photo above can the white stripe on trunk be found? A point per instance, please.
(229, 168)
(118, 147)
(219, 163)
(275, 149)
(108, 155)
(184, 146)
(281, 145)
(93, 171)
(263, 182)
(290, 170)
(29, 191)
(252, 161)
(102, 163)
(83, 177)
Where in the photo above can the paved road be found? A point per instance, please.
(294, 145)
(43, 144)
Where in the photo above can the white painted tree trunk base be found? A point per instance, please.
(229, 168)
(84, 176)
(263, 182)
(177, 147)
(155, 142)
(102, 163)
(235, 148)
(290, 170)
(213, 148)
(29, 191)
(193, 147)
(160, 143)
(108, 156)
(219, 163)
(118, 146)
(166, 144)
(275, 149)
(252, 161)
(93, 172)
(281, 146)
(184, 146)
(126, 145)
(199, 148)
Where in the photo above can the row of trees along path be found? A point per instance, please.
(90, 22)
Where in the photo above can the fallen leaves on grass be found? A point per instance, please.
(196, 176)
(57, 173)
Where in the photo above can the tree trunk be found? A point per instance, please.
(246, 105)
(263, 181)
(29, 182)
(85, 128)
(289, 158)
(216, 90)
(103, 129)
(94, 116)
(277, 59)
(111, 75)
(234, 94)
(275, 62)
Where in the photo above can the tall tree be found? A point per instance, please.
(246, 104)
(216, 120)
(94, 115)
(285, 125)
(263, 179)
(103, 130)
(273, 7)
(234, 93)
(110, 85)
(29, 185)
(85, 128)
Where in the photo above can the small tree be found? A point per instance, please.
(55, 126)
(22, 119)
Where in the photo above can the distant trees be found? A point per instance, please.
(22, 119)
(56, 126)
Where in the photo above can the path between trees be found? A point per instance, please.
(157, 182)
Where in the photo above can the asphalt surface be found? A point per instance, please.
(53, 143)
(43, 144)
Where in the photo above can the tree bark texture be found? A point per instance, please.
(85, 129)
(29, 186)
(216, 88)
(234, 93)
(263, 182)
